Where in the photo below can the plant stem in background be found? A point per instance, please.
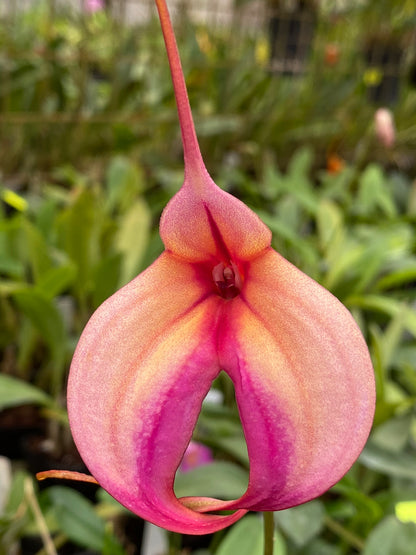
(343, 532)
(268, 532)
(175, 541)
(39, 518)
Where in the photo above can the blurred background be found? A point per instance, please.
(306, 111)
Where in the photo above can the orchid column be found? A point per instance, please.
(218, 298)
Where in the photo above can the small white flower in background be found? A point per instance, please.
(384, 126)
(93, 6)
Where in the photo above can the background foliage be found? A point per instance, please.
(90, 154)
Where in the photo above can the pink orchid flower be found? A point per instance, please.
(218, 298)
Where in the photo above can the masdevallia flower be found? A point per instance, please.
(218, 298)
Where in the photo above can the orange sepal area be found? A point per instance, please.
(66, 475)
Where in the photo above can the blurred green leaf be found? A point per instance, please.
(7, 287)
(388, 341)
(106, 278)
(38, 252)
(302, 523)
(234, 445)
(321, 547)
(373, 194)
(132, 239)
(56, 280)
(218, 125)
(12, 263)
(15, 392)
(392, 435)
(111, 544)
(388, 463)
(304, 250)
(246, 538)
(406, 355)
(220, 428)
(391, 537)
(363, 503)
(297, 181)
(345, 253)
(217, 479)
(47, 321)
(79, 226)
(330, 223)
(76, 517)
(401, 275)
(124, 182)
(386, 305)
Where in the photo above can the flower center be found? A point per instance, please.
(227, 280)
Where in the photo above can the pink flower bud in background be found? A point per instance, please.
(93, 6)
(384, 126)
(196, 454)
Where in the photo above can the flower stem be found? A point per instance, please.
(192, 153)
(268, 532)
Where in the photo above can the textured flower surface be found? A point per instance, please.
(218, 298)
